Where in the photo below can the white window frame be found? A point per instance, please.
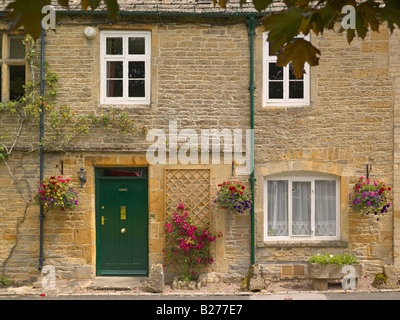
(6, 62)
(286, 101)
(302, 177)
(125, 57)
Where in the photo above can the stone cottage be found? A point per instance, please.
(181, 68)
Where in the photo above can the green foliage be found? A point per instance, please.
(327, 258)
(300, 16)
(4, 281)
(381, 278)
(63, 124)
(28, 14)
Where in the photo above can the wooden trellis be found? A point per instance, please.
(192, 187)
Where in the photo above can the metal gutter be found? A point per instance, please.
(158, 13)
(41, 216)
(252, 24)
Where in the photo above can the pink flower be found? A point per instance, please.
(181, 206)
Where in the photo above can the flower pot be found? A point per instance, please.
(320, 274)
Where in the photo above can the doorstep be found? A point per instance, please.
(116, 283)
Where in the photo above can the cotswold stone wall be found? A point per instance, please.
(200, 79)
(348, 125)
(394, 63)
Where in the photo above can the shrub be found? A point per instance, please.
(188, 246)
(327, 258)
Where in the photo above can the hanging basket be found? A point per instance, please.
(56, 192)
(370, 197)
(234, 196)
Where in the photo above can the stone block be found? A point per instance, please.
(155, 283)
(83, 272)
(185, 285)
(320, 274)
(255, 280)
(387, 279)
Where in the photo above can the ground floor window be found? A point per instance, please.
(301, 206)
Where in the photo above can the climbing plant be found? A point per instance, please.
(20, 118)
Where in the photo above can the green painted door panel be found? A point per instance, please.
(122, 220)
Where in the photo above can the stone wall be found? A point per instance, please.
(200, 78)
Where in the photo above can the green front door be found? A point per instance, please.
(121, 223)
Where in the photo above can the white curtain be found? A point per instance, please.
(325, 207)
(301, 208)
(277, 208)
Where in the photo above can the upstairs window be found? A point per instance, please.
(12, 67)
(125, 67)
(280, 86)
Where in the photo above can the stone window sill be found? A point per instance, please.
(292, 244)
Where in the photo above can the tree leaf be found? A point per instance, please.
(298, 52)
(391, 14)
(85, 4)
(282, 27)
(328, 16)
(112, 8)
(222, 3)
(368, 11)
(64, 3)
(361, 25)
(27, 14)
(94, 4)
(261, 5)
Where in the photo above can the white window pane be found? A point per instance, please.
(115, 69)
(137, 45)
(114, 88)
(136, 69)
(17, 47)
(275, 89)
(17, 82)
(137, 88)
(301, 208)
(296, 89)
(277, 208)
(275, 72)
(114, 46)
(325, 208)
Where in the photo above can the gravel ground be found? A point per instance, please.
(82, 287)
(364, 284)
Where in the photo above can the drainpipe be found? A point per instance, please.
(252, 23)
(41, 216)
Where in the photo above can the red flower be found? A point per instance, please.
(243, 187)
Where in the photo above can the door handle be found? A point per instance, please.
(123, 230)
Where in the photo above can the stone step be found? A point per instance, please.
(116, 283)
